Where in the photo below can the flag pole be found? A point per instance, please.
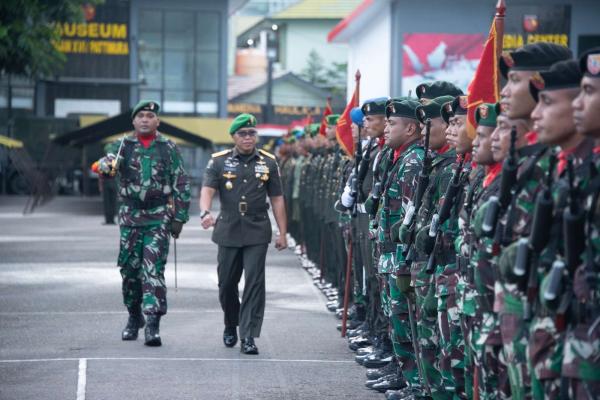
(499, 23)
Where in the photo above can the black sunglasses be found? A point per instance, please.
(250, 133)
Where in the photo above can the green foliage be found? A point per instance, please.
(27, 33)
(333, 77)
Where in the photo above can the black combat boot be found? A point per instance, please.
(152, 331)
(134, 323)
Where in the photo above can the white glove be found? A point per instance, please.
(347, 198)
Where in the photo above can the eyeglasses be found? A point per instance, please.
(249, 133)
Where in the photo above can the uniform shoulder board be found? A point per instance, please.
(221, 153)
(266, 153)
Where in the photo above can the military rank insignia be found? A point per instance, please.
(483, 111)
(593, 64)
(261, 171)
(537, 81)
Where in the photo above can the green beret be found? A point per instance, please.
(431, 90)
(486, 114)
(146, 105)
(242, 121)
(374, 106)
(401, 108)
(458, 106)
(312, 129)
(332, 119)
(431, 108)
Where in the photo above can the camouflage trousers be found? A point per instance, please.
(581, 361)
(545, 354)
(452, 343)
(401, 333)
(514, 333)
(429, 340)
(487, 349)
(142, 258)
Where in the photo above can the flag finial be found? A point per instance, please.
(500, 8)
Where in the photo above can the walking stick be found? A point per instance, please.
(347, 287)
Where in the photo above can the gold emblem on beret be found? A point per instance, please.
(593, 63)
(537, 81)
(463, 102)
(508, 59)
(392, 108)
(425, 101)
(448, 107)
(483, 111)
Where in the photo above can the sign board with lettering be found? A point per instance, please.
(98, 47)
(531, 24)
(280, 114)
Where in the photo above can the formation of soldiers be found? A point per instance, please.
(474, 250)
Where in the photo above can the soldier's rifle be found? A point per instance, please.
(409, 221)
(435, 230)
(116, 162)
(573, 231)
(528, 249)
(354, 188)
(363, 170)
(498, 204)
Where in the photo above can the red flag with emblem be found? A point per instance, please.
(327, 112)
(343, 130)
(485, 86)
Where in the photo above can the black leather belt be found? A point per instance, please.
(145, 204)
(244, 209)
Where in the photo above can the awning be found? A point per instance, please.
(97, 128)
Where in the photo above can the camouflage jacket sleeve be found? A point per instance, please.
(180, 185)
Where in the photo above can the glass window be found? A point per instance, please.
(154, 95)
(150, 68)
(207, 103)
(207, 31)
(178, 70)
(207, 70)
(150, 35)
(178, 101)
(179, 30)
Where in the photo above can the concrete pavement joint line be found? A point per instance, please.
(265, 360)
(81, 379)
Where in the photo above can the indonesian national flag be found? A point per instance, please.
(343, 130)
(484, 88)
(327, 112)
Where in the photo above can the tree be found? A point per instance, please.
(27, 33)
(314, 72)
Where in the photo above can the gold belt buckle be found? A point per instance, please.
(243, 207)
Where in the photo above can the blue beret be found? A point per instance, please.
(356, 115)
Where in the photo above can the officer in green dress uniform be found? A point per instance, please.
(244, 177)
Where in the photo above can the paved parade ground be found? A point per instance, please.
(61, 318)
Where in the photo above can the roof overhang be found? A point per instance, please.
(358, 19)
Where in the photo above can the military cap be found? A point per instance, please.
(297, 133)
(533, 57)
(332, 119)
(146, 105)
(312, 129)
(401, 108)
(458, 106)
(589, 63)
(431, 108)
(242, 121)
(374, 106)
(356, 115)
(486, 114)
(431, 90)
(561, 75)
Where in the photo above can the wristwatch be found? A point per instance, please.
(204, 214)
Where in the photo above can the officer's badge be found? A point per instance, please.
(448, 107)
(426, 101)
(261, 171)
(508, 59)
(151, 106)
(593, 64)
(229, 176)
(392, 109)
(537, 81)
(463, 102)
(368, 108)
(483, 111)
(421, 90)
(228, 185)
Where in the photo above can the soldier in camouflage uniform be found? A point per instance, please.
(518, 66)
(154, 190)
(581, 361)
(554, 91)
